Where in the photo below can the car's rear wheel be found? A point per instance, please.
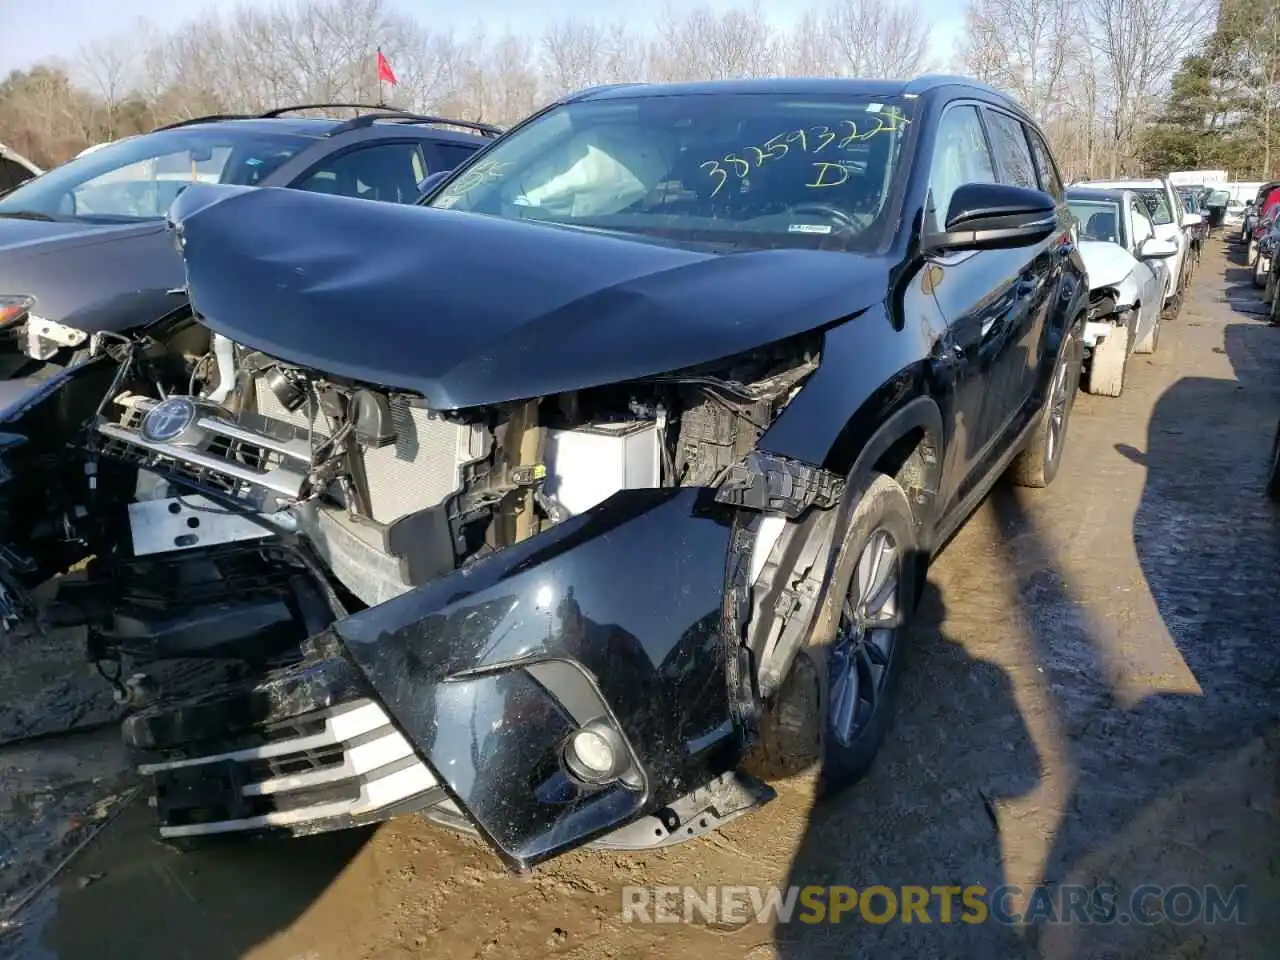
(1037, 464)
(835, 705)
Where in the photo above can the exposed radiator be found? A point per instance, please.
(419, 470)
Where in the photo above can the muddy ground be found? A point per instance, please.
(1091, 698)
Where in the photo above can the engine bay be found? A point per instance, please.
(234, 503)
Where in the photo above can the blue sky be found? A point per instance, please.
(42, 29)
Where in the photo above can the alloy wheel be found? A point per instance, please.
(869, 623)
(1058, 397)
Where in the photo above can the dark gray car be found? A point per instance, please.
(84, 248)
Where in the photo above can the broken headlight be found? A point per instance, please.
(14, 309)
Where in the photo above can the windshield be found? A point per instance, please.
(1099, 220)
(747, 170)
(1157, 204)
(138, 178)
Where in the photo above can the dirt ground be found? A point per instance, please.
(1091, 698)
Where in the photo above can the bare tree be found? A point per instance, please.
(702, 44)
(576, 54)
(111, 69)
(883, 39)
(1139, 44)
(1021, 46)
(1256, 26)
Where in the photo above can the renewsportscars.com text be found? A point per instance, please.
(973, 904)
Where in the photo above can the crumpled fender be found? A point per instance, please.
(1110, 265)
(488, 670)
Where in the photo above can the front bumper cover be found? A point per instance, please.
(458, 698)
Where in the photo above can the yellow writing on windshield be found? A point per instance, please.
(483, 172)
(806, 140)
(828, 174)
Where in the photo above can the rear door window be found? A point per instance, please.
(1009, 140)
(1050, 182)
(452, 154)
(387, 172)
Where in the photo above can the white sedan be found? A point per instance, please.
(1129, 281)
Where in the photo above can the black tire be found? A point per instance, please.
(1151, 342)
(800, 728)
(1037, 464)
(1273, 475)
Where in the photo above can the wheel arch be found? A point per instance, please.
(906, 445)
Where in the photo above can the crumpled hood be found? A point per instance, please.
(1108, 264)
(470, 310)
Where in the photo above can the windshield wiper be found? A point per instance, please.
(28, 215)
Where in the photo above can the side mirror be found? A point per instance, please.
(429, 183)
(993, 215)
(1156, 248)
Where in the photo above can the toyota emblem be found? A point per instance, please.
(168, 419)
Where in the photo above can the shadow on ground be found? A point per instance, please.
(956, 715)
(132, 896)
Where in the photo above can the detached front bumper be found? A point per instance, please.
(461, 698)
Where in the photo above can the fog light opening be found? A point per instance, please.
(595, 754)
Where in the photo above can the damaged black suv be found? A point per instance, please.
(549, 507)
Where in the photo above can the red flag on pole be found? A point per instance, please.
(385, 73)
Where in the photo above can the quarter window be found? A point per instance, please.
(1010, 143)
(961, 156)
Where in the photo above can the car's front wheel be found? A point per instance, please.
(1150, 342)
(834, 707)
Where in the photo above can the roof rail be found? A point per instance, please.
(212, 118)
(585, 92)
(401, 116)
(281, 111)
(355, 123)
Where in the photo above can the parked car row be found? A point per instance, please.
(1141, 241)
(1261, 224)
(558, 503)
